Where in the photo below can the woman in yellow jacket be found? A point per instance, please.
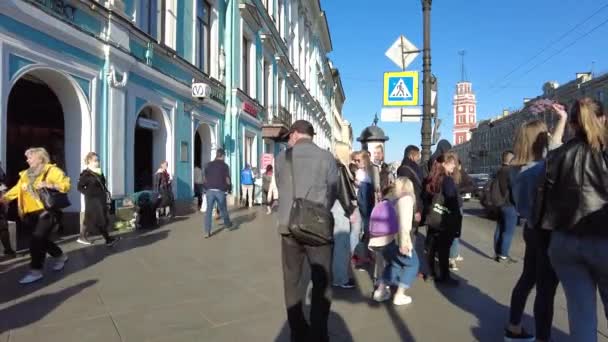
(32, 212)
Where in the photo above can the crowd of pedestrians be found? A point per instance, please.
(556, 185)
(345, 212)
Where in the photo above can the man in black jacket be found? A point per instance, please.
(507, 219)
(410, 169)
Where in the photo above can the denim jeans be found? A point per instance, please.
(342, 245)
(505, 228)
(400, 270)
(581, 263)
(537, 271)
(455, 248)
(355, 230)
(219, 197)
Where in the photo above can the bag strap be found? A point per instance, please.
(414, 173)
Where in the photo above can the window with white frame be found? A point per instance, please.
(280, 19)
(203, 36)
(169, 23)
(266, 80)
(148, 17)
(280, 94)
(245, 65)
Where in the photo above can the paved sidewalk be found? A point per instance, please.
(172, 285)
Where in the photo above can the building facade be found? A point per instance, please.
(496, 135)
(116, 76)
(465, 112)
(342, 132)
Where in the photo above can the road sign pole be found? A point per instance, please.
(426, 130)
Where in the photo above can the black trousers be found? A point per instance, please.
(5, 237)
(537, 271)
(320, 260)
(42, 224)
(439, 243)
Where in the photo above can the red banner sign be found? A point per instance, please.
(250, 109)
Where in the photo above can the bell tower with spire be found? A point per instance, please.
(465, 107)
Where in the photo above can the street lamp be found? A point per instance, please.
(426, 69)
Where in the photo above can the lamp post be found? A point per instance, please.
(426, 69)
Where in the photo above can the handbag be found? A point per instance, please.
(440, 217)
(310, 223)
(53, 199)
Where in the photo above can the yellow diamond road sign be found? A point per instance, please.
(400, 89)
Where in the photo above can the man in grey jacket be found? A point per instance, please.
(316, 179)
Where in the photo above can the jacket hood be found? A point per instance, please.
(443, 146)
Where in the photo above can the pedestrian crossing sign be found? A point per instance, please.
(400, 89)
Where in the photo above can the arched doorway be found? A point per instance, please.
(47, 109)
(150, 147)
(41, 121)
(203, 146)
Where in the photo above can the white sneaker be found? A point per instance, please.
(402, 299)
(30, 277)
(381, 294)
(60, 262)
(84, 241)
(459, 258)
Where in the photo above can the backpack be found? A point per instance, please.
(491, 198)
(383, 220)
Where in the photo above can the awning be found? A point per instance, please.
(274, 131)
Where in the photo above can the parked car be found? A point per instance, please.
(481, 180)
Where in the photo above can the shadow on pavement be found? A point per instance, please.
(243, 219)
(79, 260)
(32, 310)
(492, 316)
(357, 296)
(338, 330)
(475, 249)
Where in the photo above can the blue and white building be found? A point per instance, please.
(115, 76)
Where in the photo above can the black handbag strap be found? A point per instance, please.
(289, 158)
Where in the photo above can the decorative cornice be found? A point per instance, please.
(113, 79)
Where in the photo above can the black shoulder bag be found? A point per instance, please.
(310, 223)
(53, 199)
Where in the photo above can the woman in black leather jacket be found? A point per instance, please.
(576, 208)
(344, 242)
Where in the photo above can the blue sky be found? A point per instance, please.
(498, 36)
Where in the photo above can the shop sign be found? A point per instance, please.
(250, 109)
(267, 159)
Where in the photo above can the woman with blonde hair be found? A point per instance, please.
(576, 207)
(532, 143)
(41, 174)
(97, 201)
(399, 254)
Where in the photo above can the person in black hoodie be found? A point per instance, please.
(443, 146)
(92, 184)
